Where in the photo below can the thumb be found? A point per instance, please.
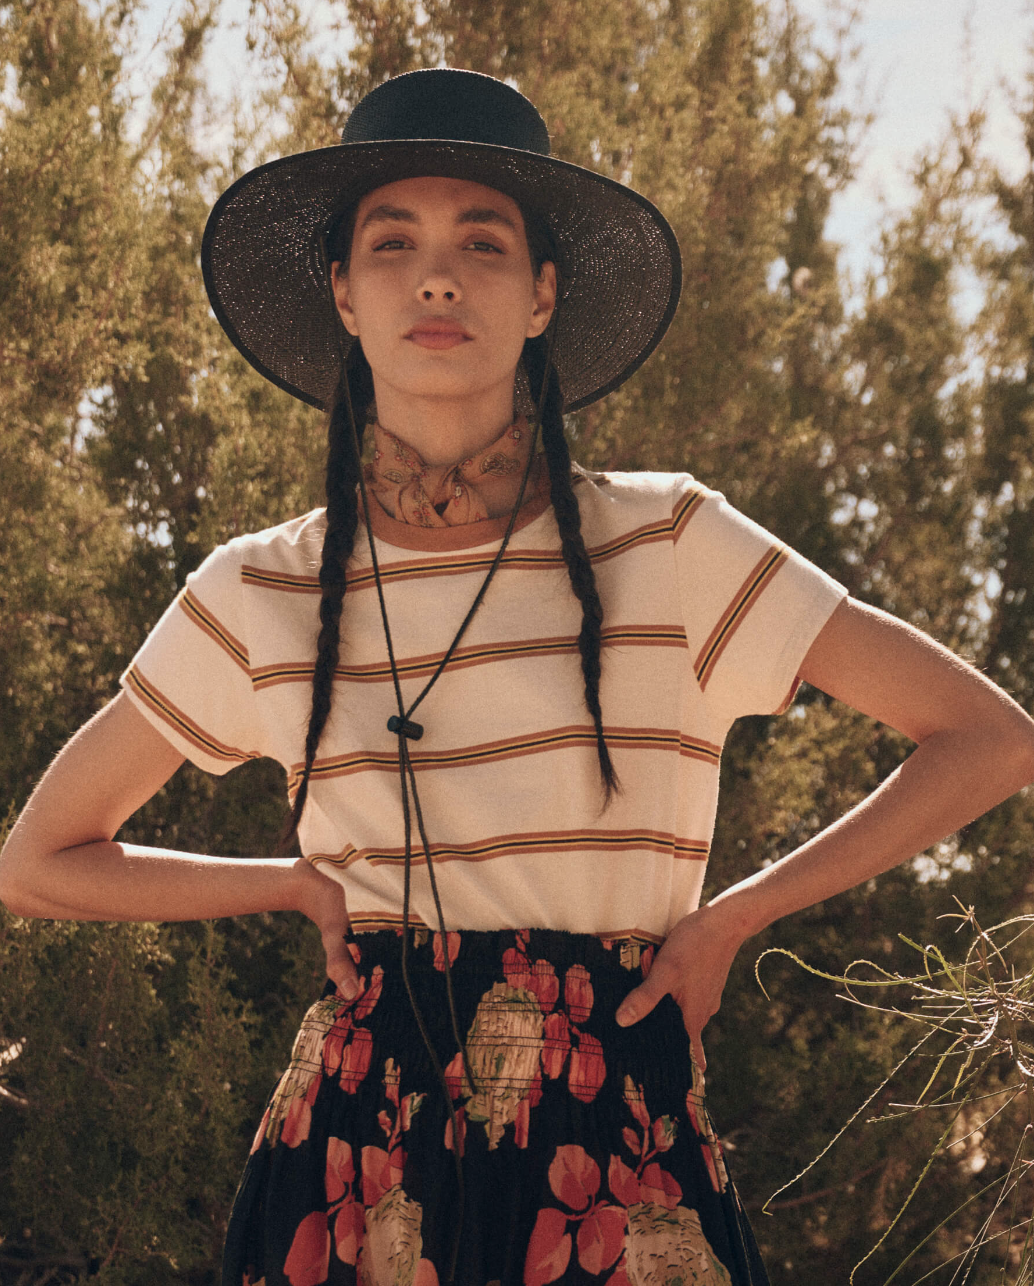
(637, 1004)
(341, 968)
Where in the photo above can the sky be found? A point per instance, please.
(918, 60)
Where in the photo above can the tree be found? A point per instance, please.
(886, 437)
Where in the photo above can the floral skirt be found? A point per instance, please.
(585, 1152)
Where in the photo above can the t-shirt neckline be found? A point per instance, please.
(405, 535)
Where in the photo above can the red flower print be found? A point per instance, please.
(381, 1170)
(439, 954)
(619, 1277)
(711, 1170)
(516, 967)
(634, 1099)
(601, 1238)
(574, 1176)
(557, 1044)
(549, 1249)
(392, 1077)
(349, 1225)
(455, 1075)
(340, 1169)
(588, 1071)
(522, 1123)
(623, 1182)
(408, 1108)
(657, 1185)
(544, 985)
(461, 1125)
(664, 1133)
(355, 1060)
(347, 1048)
(710, 1144)
(648, 1182)
(308, 1259)
(297, 1121)
(382, 1167)
(369, 997)
(578, 994)
(538, 978)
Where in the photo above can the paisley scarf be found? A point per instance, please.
(449, 495)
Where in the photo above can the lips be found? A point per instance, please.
(437, 334)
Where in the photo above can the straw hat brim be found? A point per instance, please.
(263, 268)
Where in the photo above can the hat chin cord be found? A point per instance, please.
(406, 729)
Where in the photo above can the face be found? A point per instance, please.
(441, 290)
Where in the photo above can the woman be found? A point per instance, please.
(503, 744)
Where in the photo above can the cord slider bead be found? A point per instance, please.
(407, 727)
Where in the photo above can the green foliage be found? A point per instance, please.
(882, 435)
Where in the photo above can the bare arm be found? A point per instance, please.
(61, 860)
(975, 747)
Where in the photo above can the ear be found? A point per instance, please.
(339, 281)
(544, 300)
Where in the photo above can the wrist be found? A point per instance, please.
(737, 912)
(309, 884)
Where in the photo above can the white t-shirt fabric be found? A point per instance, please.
(707, 617)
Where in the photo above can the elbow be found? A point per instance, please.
(15, 899)
(15, 891)
(1014, 752)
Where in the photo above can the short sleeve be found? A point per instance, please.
(192, 679)
(752, 607)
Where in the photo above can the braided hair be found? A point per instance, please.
(342, 484)
(576, 556)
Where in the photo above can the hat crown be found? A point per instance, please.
(446, 103)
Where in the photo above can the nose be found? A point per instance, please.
(439, 285)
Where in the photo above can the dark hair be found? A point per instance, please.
(343, 467)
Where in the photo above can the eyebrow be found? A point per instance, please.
(399, 214)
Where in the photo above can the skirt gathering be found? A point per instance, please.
(582, 1153)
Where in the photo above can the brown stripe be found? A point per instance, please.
(529, 844)
(495, 751)
(419, 666)
(684, 511)
(214, 628)
(183, 724)
(736, 613)
(374, 921)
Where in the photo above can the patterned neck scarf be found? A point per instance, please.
(449, 495)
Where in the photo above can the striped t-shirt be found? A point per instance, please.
(706, 617)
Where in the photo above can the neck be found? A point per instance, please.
(444, 431)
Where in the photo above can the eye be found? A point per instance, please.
(390, 243)
(486, 245)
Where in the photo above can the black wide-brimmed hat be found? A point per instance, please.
(264, 266)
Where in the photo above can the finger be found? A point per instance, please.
(637, 1004)
(341, 968)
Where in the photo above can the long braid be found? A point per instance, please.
(576, 556)
(342, 522)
